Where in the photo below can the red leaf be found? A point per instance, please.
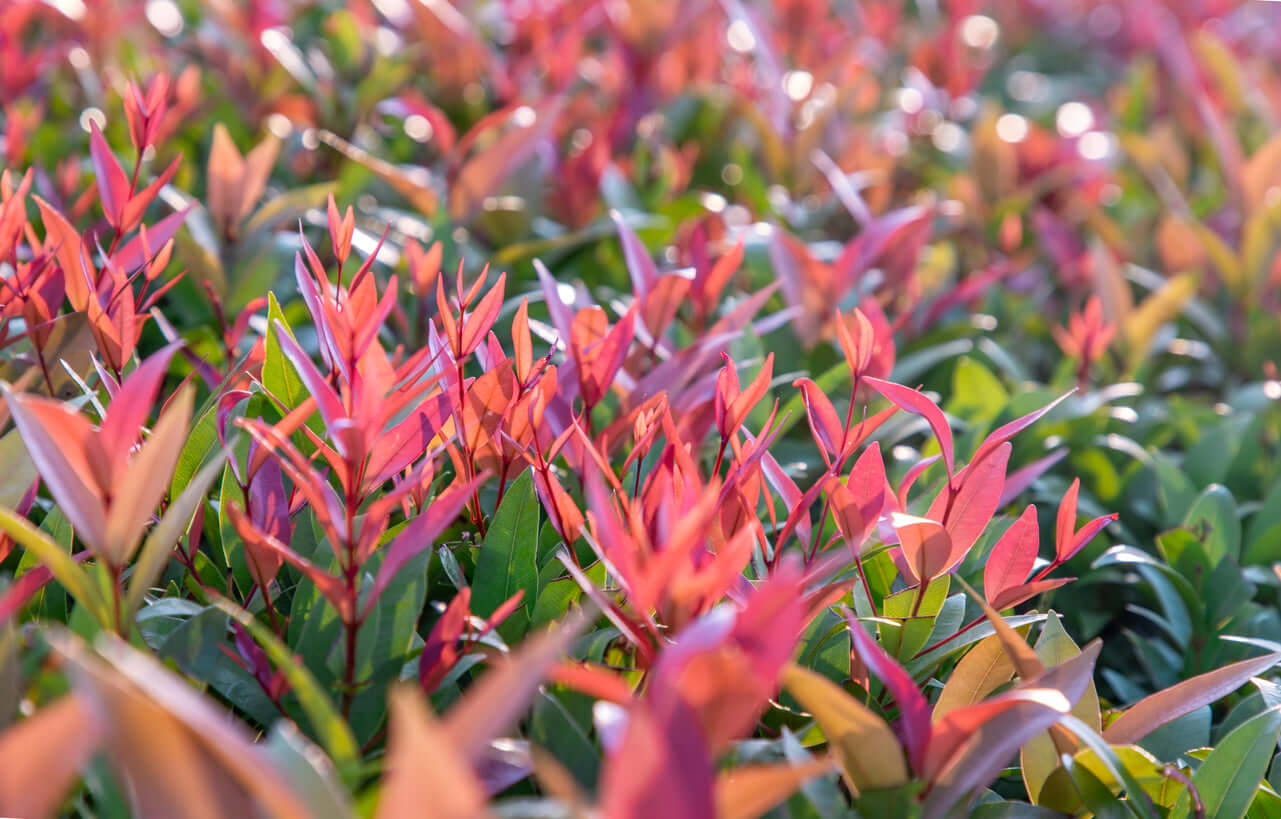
(1065, 525)
(327, 401)
(661, 768)
(1007, 431)
(965, 511)
(440, 651)
(1086, 533)
(916, 402)
(21, 591)
(857, 338)
(1023, 477)
(602, 360)
(1012, 557)
(134, 254)
(79, 274)
(1026, 591)
(482, 318)
(264, 560)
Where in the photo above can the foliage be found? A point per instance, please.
(874, 413)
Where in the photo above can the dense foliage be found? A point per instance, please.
(640, 408)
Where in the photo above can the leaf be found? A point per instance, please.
(986, 735)
(43, 755)
(1155, 710)
(1229, 777)
(333, 732)
(639, 264)
(57, 438)
(309, 770)
(749, 791)
(1040, 755)
(869, 751)
(916, 402)
(113, 184)
(146, 481)
(1138, 800)
(913, 709)
(1162, 306)
(201, 441)
(17, 470)
(501, 696)
(1012, 557)
(64, 567)
(966, 511)
(926, 545)
(421, 534)
(278, 375)
(78, 271)
(171, 742)
(484, 173)
(155, 551)
(508, 559)
(982, 670)
(1214, 519)
(423, 768)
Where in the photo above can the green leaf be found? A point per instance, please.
(309, 770)
(1214, 519)
(1229, 777)
(553, 726)
(201, 441)
(917, 620)
(508, 559)
(1138, 799)
(1095, 795)
(17, 470)
(278, 375)
(73, 577)
(977, 394)
(332, 731)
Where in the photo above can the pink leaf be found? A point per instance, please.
(1022, 593)
(965, 511)
(916, 402)
(639, 265)
(926, 545)
(1007, 431)
(482, 318)
(1019, 480)
(132, 404)
(113, 184)
(62, 444)
(1012, 557)
(824, 422)
(421, 534)
(1065, 525)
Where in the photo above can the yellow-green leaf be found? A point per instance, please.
(869, 752)
(981, 671)
(1040, 756)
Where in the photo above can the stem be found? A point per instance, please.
(117, 602)
(349, 673)
(44, 368)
